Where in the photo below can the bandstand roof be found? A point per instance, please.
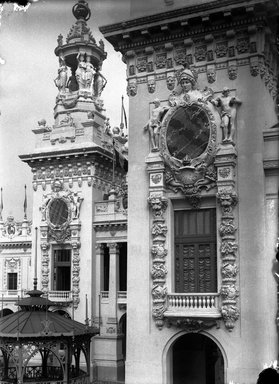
(35, 320)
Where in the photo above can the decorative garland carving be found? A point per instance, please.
(45, 266)
(193, 325)
(158, 204)
(227, 199)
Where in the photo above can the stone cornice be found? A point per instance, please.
(65, 153)
(192, 11)
(271, 134)
(270, 164)
(110, 225)
(124, 36)
(16, 244)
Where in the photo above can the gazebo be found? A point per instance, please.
(40, 346)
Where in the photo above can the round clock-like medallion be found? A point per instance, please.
(58, 212)
(188, 133)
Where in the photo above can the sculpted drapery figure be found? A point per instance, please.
(89, 73)
(154, 124)
(61, 79)
(99, 83)
(228, 105)
(81, 72)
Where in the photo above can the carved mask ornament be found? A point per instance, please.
(170, 82)
(151, 85)
(132, 89)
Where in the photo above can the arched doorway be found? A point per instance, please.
(196, 359)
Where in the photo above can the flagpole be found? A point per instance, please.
(113, 164)
(122, 106)
(1, 205)
(25, 204)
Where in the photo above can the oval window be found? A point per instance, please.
(188, 132)
(58, 212)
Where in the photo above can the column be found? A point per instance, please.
(99, 281)
(113, 279)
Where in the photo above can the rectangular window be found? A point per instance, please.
(195, 251)
(106, 269)
(12, 281)
(62, 269)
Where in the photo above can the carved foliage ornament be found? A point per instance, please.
(227, 199)
(158, 204)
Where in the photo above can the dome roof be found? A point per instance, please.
(35, 320)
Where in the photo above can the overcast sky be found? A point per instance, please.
(27, 90)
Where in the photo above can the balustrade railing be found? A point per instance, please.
(122, 295)
(60, 295)
(206, 303)
(104, 294)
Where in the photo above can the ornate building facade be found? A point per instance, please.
(203, 146)
(181, 281)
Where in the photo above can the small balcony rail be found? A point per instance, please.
(104, 294)
(193, 305)
(60, 296)
(121, 297)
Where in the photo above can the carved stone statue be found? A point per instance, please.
(154, 124)
(228, 106)
(89, 73)
(61, 79)
(67, 121)
(99, 83)
(76, 201)
(81, 72)
(188, 82)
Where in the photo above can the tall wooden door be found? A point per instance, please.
(195, 251)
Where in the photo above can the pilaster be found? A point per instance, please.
(227, 198)
(158, 204)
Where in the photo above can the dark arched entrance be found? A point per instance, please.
(197, 360)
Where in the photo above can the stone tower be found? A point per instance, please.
(81, 239)
(72, 168)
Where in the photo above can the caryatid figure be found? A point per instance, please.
(61, 79)
(228, 106)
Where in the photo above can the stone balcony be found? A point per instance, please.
(109, 210)
(60, 297)
(196, 305)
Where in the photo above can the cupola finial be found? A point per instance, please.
(81, 10)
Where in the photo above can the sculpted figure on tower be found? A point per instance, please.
(99, 82)
(61, 79)
(81, 72)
